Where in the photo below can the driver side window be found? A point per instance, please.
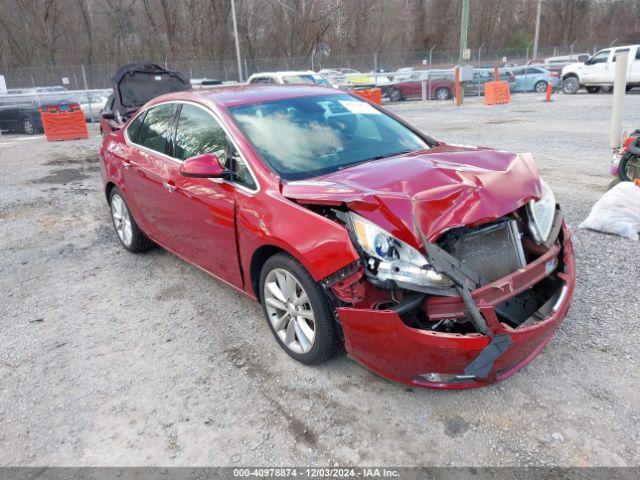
(600, 57)
(199, 132)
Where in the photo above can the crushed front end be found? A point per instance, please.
(482, 303)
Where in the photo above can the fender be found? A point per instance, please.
(269, 219)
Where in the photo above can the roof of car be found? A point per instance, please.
(283, 73)
(244, 94)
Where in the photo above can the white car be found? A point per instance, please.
(308, 77)
(598, 71)
(92, 102)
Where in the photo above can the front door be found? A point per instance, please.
(203, 210)
(596, 68)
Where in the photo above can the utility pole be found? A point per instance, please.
(235, 34)
(464, 23)
(537, 35)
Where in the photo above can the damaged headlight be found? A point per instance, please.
(393, 259)
(542, 213)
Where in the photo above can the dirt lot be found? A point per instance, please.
(109, 358)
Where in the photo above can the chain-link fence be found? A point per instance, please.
(32, 88)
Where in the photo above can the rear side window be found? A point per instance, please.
(156, 128)
(199, 132)
(638, 53)
(620, 51)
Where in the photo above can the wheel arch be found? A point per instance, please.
(258, 259)
(107, 189)
(570, 74)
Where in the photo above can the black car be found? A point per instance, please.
(20, 107)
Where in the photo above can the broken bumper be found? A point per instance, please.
(383, 343)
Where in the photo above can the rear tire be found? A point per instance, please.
(540, 86)
(571, 85)
(129, 234)
(287, 288)
(594, 89)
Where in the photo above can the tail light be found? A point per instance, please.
(555, 74)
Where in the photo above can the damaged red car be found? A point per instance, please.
(433, 265)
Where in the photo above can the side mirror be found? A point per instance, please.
(108, 115)
(205, 165)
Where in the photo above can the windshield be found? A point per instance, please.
(309, 136)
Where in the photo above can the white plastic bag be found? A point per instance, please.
(617, 212)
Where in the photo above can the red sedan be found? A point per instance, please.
(433, 265)
(435, 89)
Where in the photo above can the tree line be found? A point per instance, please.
(69, 32)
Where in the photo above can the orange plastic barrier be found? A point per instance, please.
(496, 93)
(64, 126)
(374, 95)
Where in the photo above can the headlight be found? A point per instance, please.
(396, 260)
(542, 213)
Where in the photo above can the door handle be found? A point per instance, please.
(170, 186)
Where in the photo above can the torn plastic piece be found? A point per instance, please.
(483, 363)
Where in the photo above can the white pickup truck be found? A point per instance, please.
(598, 71)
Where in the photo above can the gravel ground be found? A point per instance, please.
(109, 358)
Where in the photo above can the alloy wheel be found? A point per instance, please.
(442, 94)
(289, 310)
(28, 127)
(541, 87)
(570, 85)
(632, 169)
(121, 219)
(395, 95)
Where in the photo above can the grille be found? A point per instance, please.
(492, 252)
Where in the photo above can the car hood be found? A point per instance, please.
(573, 67)
(442, 188)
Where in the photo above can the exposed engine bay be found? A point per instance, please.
(488, 253)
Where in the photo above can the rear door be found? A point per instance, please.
(634, 66)
(520, 84)
(149, 170)
(612, 68)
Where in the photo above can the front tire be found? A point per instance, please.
(629, 167)
(571, 85)
(298, 311)
(129, 234)
(28, 126)
(443, 93)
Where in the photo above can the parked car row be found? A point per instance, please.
(20, 107)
